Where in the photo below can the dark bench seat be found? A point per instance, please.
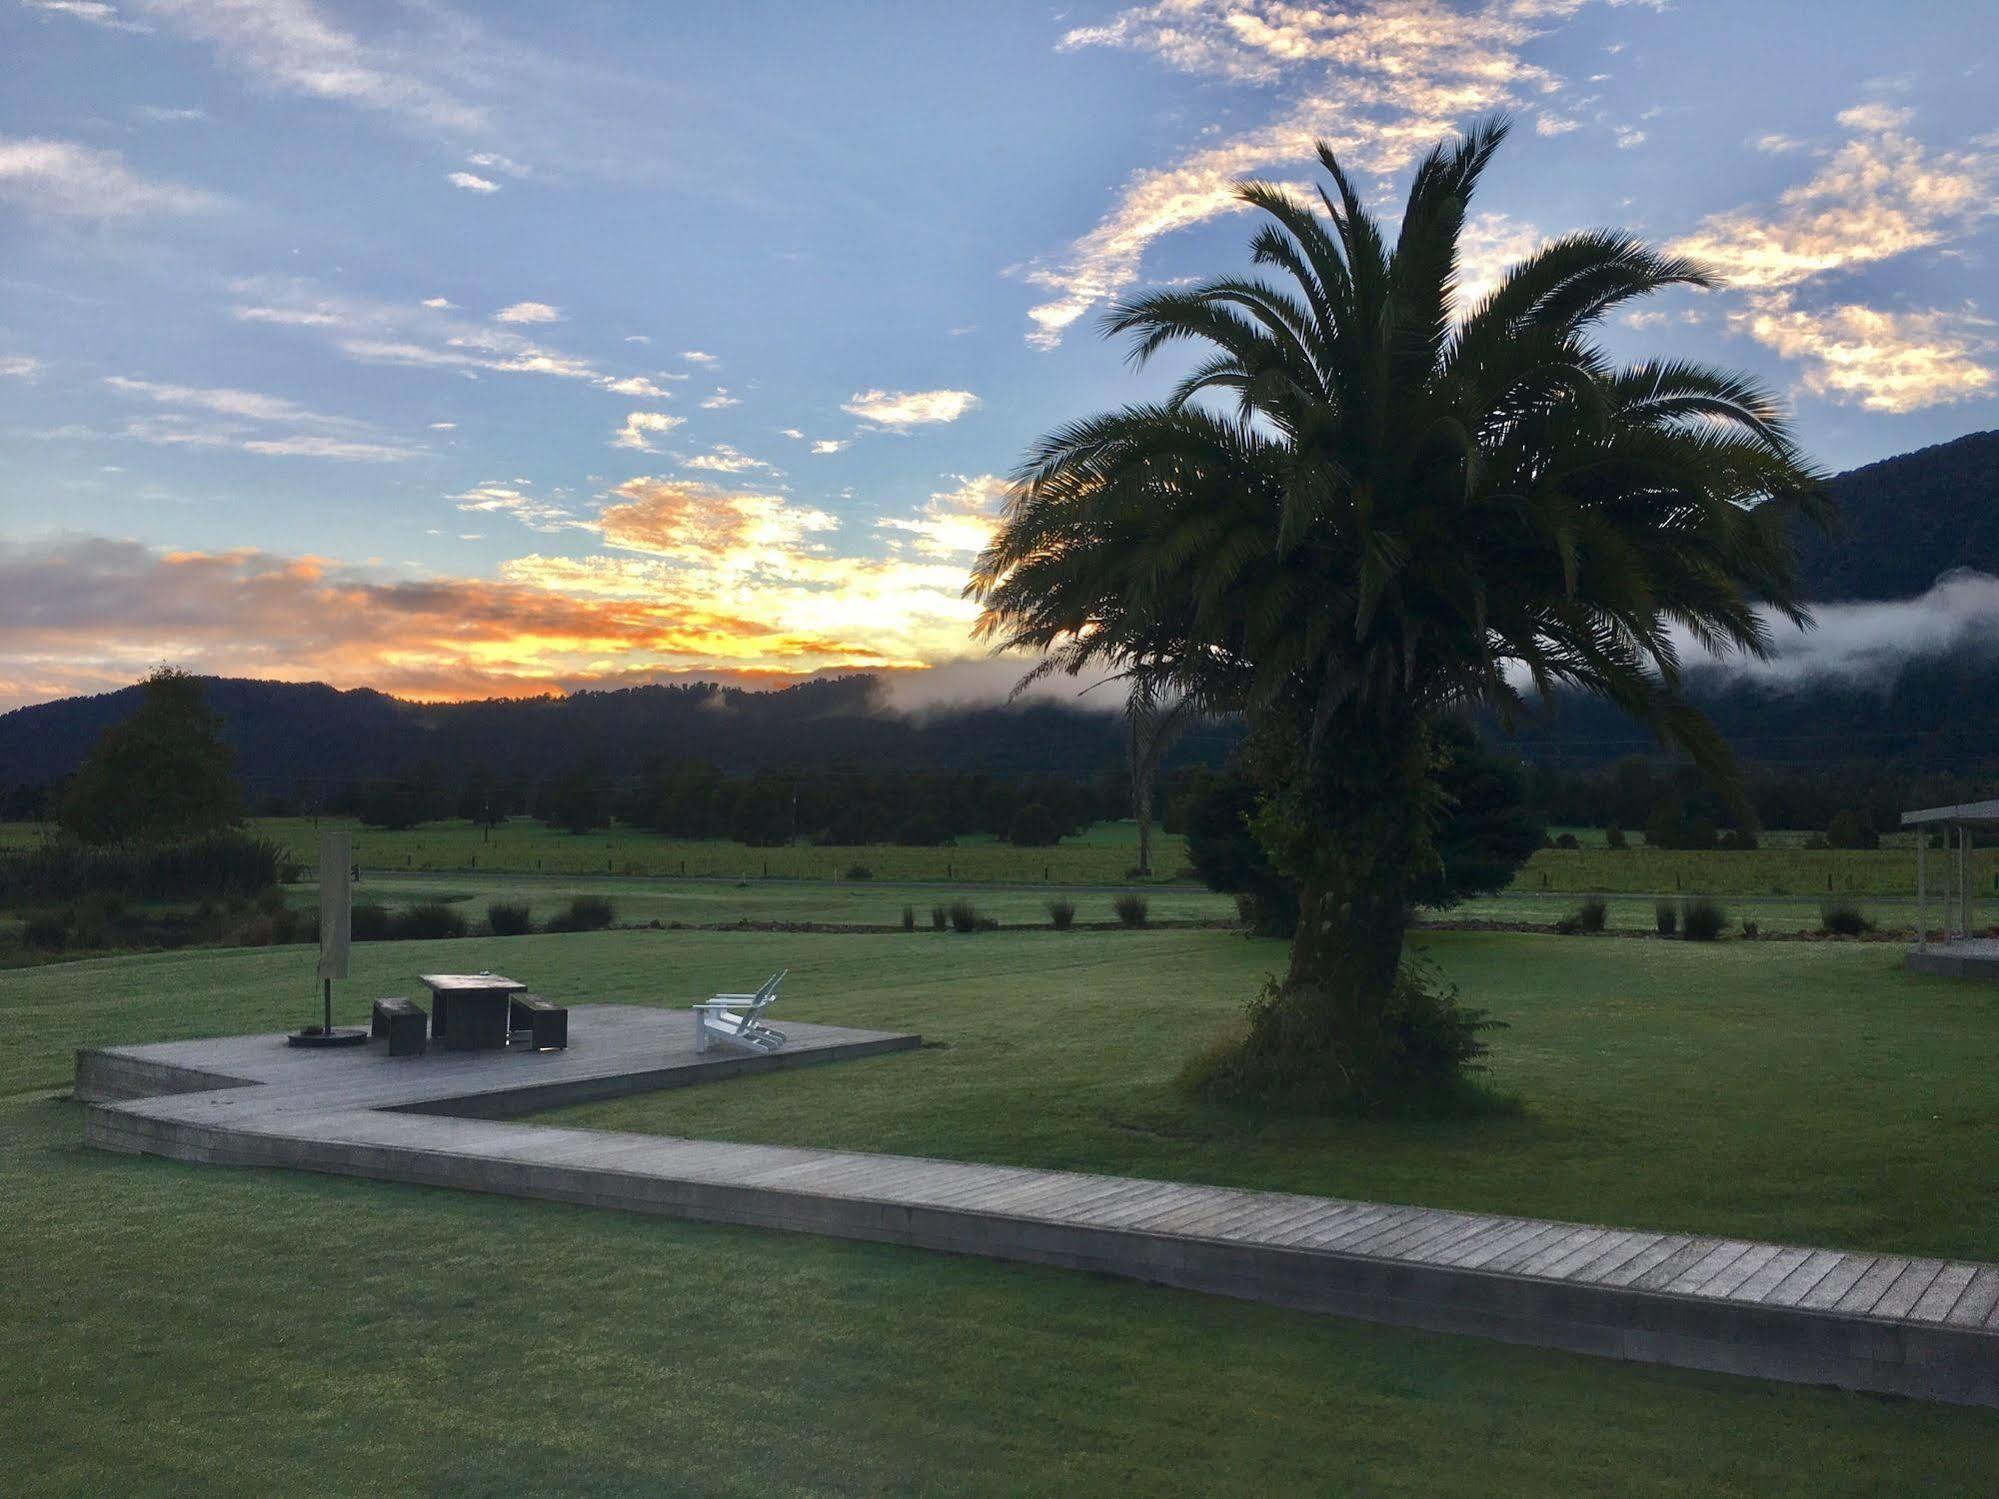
(546, 1022)
(403, 1022)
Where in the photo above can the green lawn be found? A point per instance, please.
(164, 1333)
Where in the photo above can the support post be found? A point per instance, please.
(1922, 906)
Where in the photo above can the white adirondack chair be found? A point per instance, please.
(718, 1019)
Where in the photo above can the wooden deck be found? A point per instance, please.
(1927, 1328)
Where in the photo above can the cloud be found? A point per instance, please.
(61, 179)
(695, 522)
(290, 46)
(1880, 195)
(1881, 361)
(444, 426)
(721, 400)
(471, 182)
(494, 498)
(1379, 80)
(1869, 642)
(1629, 138)
(695, 356)
(19, 366)
(955, 523)
(641, 427)
(442, 304)
(244, 413)
(638, 338)
(157, 115)
(1552, 124)
(1490, 245)
(723, 459)
(492, 161)
(528, 312)
(378, 332)
(824, 445)
(899, 408)
(91, 12)
(635, 385)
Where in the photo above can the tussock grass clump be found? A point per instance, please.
(369, 922)
(966, 917)
(428, 920)
(1842, 918)
(1592, 915)
(940, 919)
(909, 918)
(586, 913)
(1666, 917)
(1132, 909)
(1062, 912)
(1702, 919)
(509, 918)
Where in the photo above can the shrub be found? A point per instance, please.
(1566, 927)
(1592, 914)
(509, 918)
(1568, 841)
(426, 921)
(1062, 912)
(586, 913)
(1702, 920)
(909, 918)
(939, 918)
(1666, 917)
(1430, 1046)
(48, 930)
(1613, 837)
(964, 916)
(1131, 909)
(369, 922)
(1751, 930)
(1851, 830)
(1034, 826)
(859, 872)
(1839, 918)
(220, 864)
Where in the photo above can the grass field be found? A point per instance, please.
(165, 1333)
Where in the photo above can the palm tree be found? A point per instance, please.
(1394, 514)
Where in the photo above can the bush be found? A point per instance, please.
(586, 913)
(427, 921)
(509, 918)
(219, 864)
(1420, 1061)
(1592, 914)
(1034, 826)
(1062, 912)
(909, 918)
(1839, 918)
(859, 872)
(1568, 841)
(1702, 920)
(964, 916)
(1850, 830)
(939, 918)
(1613, 837)
(48, 930)
(1666, 917)
(1751, 930)
(369, 922)
(1131, 909)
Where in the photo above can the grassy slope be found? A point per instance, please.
(155, 1341)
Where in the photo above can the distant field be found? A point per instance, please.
(1100, 857)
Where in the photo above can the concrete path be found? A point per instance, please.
(1927, 1328)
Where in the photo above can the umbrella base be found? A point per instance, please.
(314, 1035)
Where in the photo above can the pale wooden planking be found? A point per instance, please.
(1864, 1292)
(1906, 1289)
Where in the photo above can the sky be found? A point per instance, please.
(519, 348)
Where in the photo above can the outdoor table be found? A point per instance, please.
(468, 1011)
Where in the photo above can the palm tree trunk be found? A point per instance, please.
(1354, 828)
(1141, 796)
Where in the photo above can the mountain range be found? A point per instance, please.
(1907, 520)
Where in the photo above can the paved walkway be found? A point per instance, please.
(1922, 1327)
